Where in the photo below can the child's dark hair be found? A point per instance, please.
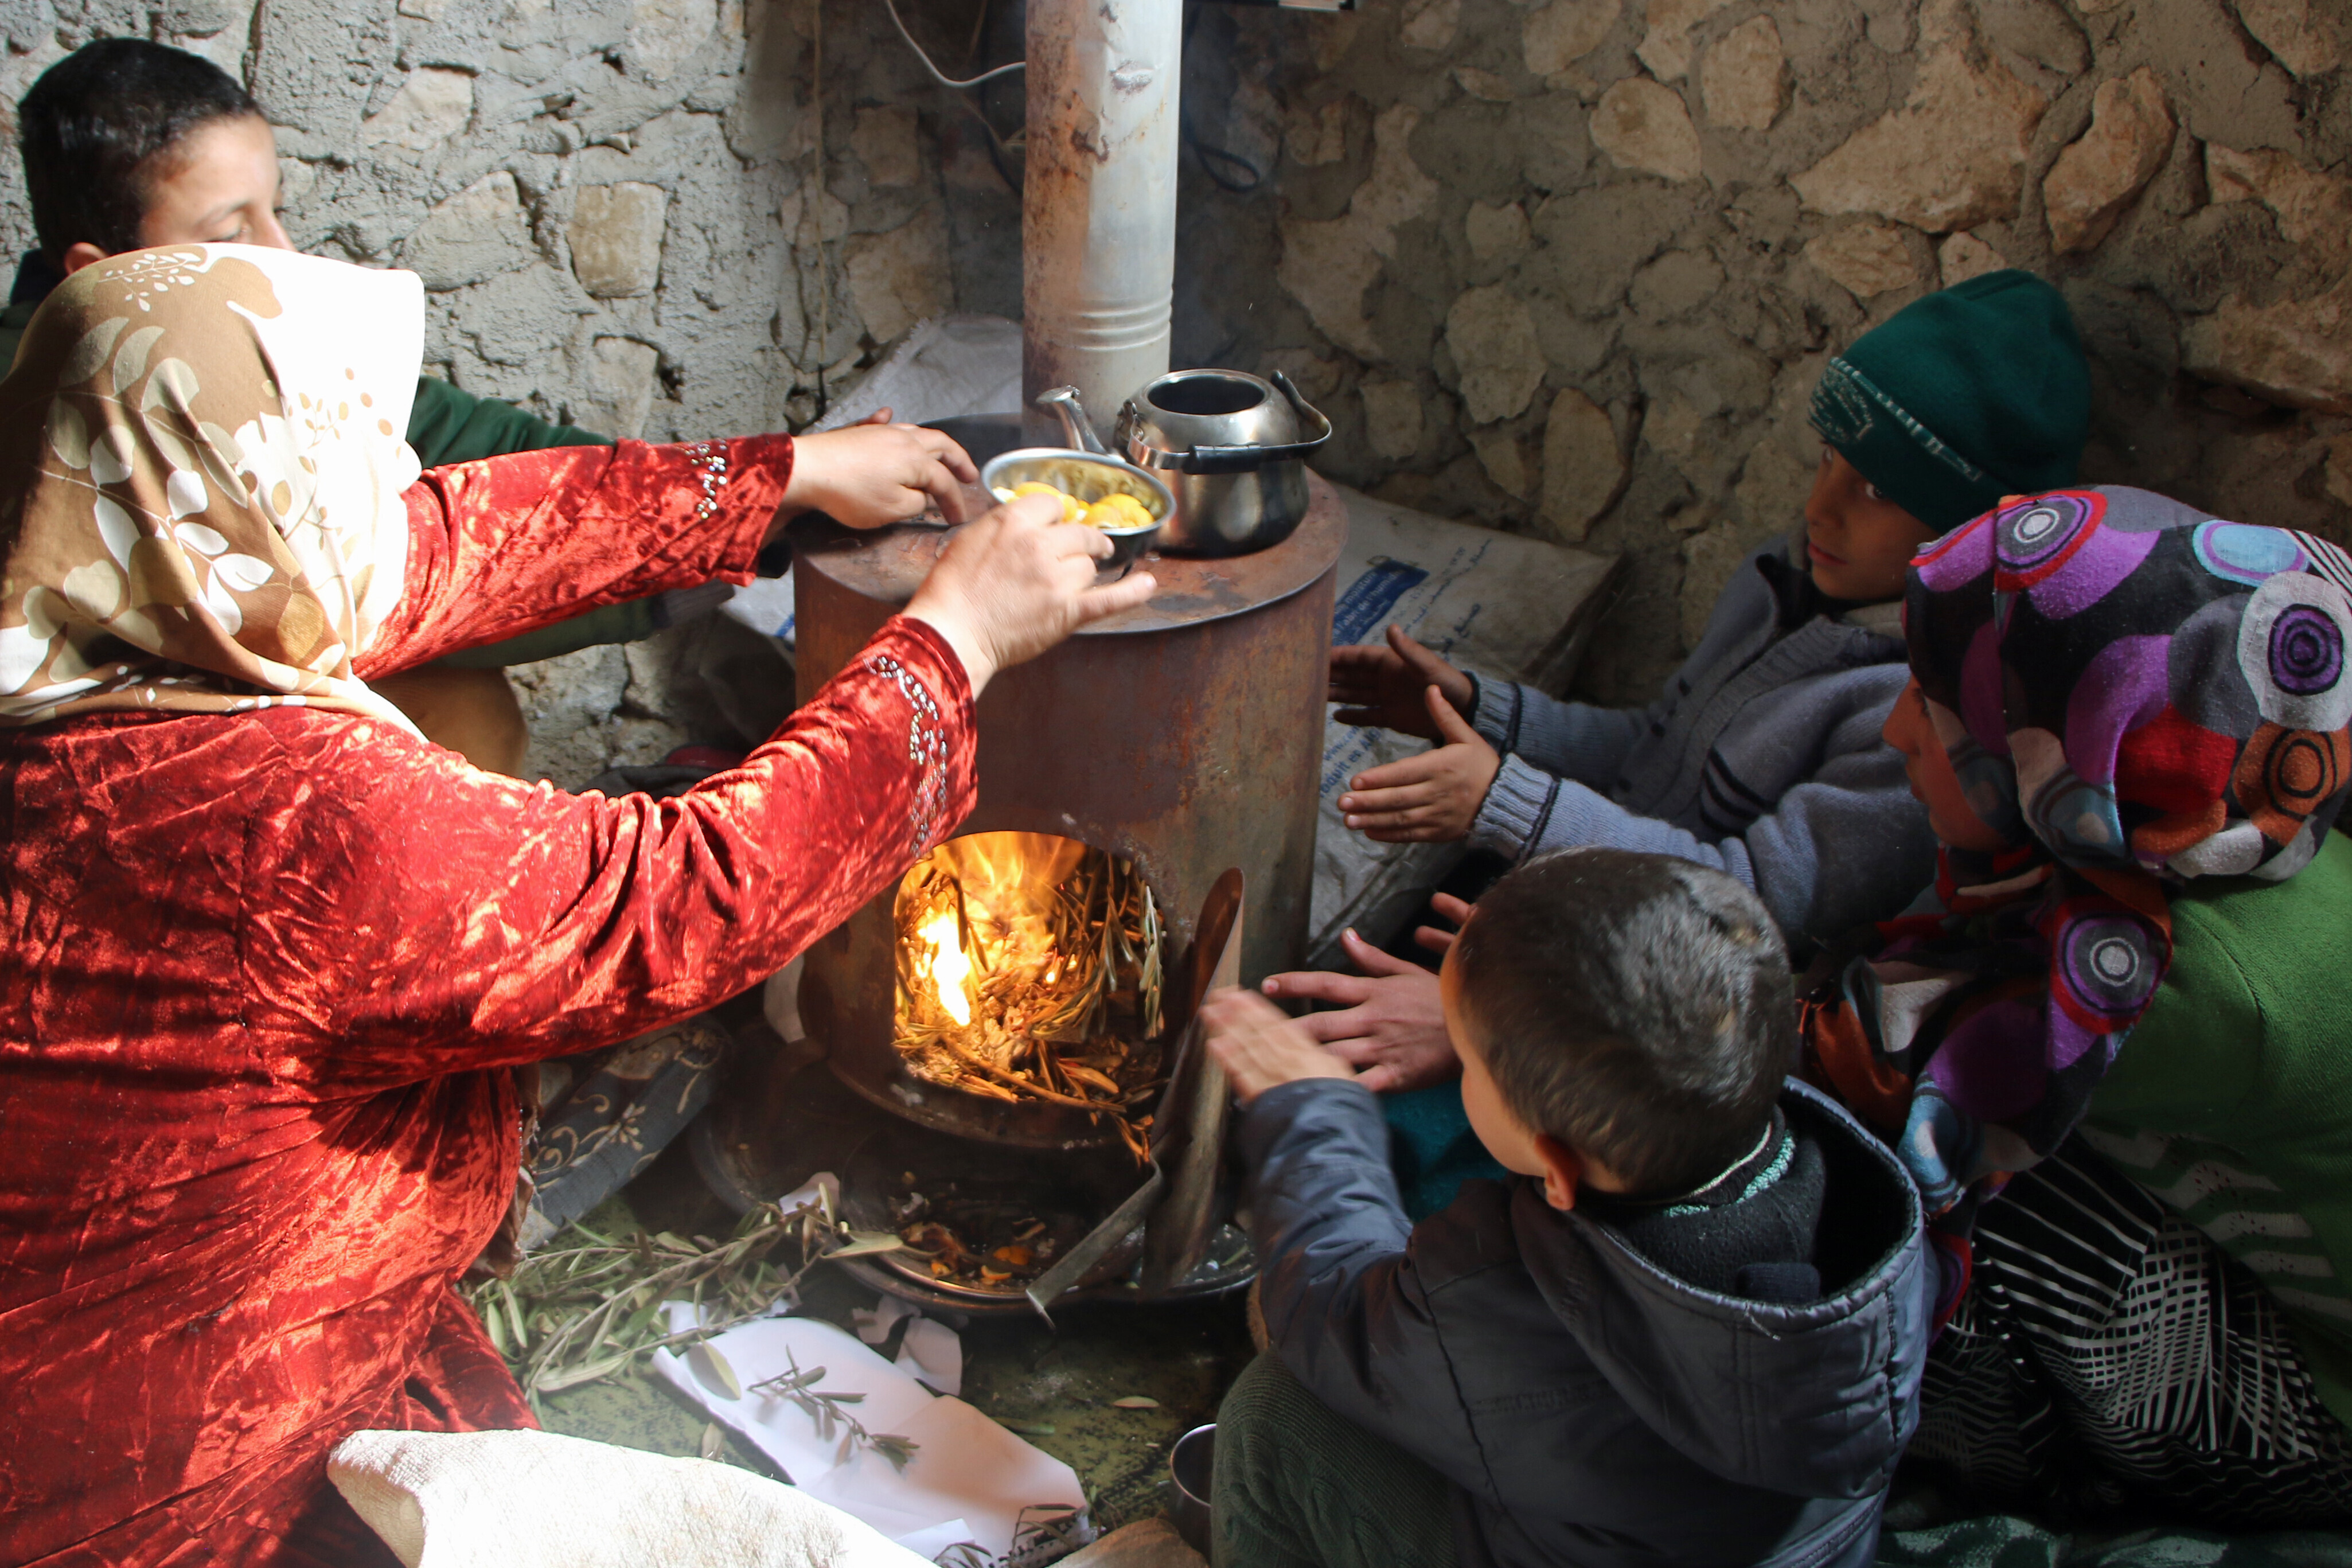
(1637, 1008)
(93, 129)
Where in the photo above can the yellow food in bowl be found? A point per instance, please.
(1073, 509)
(1117, 512)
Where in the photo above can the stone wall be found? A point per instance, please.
(607, 201)
(1571, 268)
(610, 205)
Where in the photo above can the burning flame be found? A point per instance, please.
(949, 969)
(1029, 965)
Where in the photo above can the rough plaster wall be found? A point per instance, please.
(1568, 267)
(1572, 267)
(609, 202)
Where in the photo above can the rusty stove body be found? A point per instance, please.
(1182, 737)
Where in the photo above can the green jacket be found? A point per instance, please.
(2232, 1100)
(446, 425)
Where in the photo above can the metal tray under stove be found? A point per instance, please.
(829, 1127)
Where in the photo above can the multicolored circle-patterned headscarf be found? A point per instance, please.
(2131, 694)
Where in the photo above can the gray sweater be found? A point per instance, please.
(1763, 759)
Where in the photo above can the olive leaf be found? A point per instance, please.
(589, 1306)
(862, 1242)
(713, 1371)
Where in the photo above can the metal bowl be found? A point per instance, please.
(1192, 1470)
(1089, 477)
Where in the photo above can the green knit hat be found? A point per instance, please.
(1964, 397)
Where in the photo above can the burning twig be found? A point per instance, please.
(1014, 1082)
(1021, 953)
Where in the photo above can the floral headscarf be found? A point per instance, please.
(202, 456)
(2131, 694)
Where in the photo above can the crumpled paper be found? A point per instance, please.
(929, 1351)
(969, 1479)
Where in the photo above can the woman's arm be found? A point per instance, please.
(509, 544)
(413, 917)
(402, 915)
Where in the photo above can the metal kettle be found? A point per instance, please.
(1232, 447)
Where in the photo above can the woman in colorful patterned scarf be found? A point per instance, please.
(268, 953)
(2108, 1042)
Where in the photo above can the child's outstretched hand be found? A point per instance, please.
(1431, 798)
(1259, 1047)
(1383, 686)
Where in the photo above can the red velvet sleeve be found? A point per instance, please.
(420, 918)
(506, 545)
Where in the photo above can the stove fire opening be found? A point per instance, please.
(1030, 968)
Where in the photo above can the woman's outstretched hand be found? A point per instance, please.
(1383, 686)
(875, 473)
(1014, 583)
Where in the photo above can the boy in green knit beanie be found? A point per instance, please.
(1762, 758)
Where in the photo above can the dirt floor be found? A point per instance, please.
(1055, 1386)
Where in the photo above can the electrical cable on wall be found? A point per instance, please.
(1215, 161)
(937, 75)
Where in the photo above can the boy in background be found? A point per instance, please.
(1689, 1325)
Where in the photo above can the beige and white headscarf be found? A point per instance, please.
(202, 456)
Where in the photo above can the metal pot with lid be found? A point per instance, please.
(1231, 446)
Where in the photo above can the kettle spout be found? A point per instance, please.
(1076, 427)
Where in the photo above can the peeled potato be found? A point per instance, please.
(1072, 510)
(1116, 514)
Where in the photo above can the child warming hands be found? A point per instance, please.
(1688, 1328)
(1762, 756)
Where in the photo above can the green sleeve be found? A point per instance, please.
(2192, 1059)
(446, 425)
(615, 623)
(2243, 1038)
(13, 323)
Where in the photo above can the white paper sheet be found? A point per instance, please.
(966, 1465)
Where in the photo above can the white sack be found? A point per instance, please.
(536, 1499)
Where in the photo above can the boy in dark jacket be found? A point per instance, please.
(1687, 1330)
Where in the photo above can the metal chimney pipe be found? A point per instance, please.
(1098, 203)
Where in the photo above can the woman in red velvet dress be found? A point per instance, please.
(266, 949)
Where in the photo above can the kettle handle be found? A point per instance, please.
(1239, 459)
(1075, 427)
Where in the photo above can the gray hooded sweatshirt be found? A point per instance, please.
(1763, 759)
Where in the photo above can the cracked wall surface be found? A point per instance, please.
(1571, 267)
(612, 209)
(1568, 267)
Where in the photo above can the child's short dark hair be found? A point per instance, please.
(1635, 1007)
(92, 129)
